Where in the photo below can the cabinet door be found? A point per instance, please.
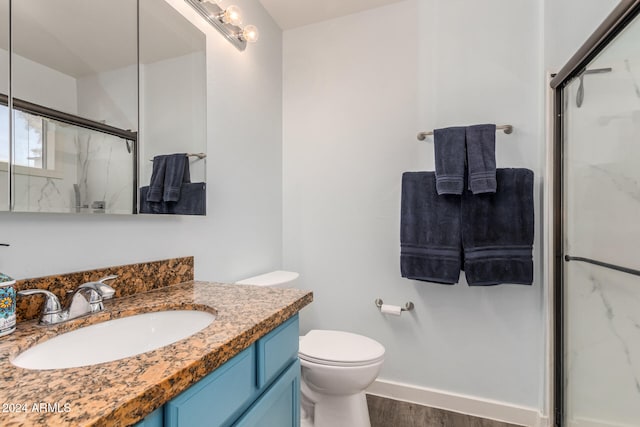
(279, 406)
(277, 350)
(217, 399)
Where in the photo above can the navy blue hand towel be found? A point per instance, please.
(176, 174)
(481, 158)
(430, 247)
(449, 151)
(156, 185)
(497, 231)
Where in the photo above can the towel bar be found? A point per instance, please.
(506, 128)
(200, 156)
(627, 270)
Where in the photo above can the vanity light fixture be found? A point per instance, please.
(231, 15)
(249, 33)
(228, 21)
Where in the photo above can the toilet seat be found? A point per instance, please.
(338, 348)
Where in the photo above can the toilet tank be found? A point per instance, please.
(275, 279)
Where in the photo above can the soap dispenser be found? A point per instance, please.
(7, 303)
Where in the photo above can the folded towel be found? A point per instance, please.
(429, 231)
(481, 158)
(193, 201)
(449, 156)
(156, 185)
(497, 231)
(176, 173)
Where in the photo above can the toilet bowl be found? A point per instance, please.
(336, 368)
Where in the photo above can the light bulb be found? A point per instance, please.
(250, 33)
(232, 15)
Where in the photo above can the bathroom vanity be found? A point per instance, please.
(242, 369)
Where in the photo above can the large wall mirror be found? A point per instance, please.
(99, 88)
(74, 60)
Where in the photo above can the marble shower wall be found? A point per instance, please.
(101, 165)
(602, 207)
(105, 172)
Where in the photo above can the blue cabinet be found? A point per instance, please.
(279, 405)
(276, 351)
(258, 387)
(154, 419)
(219, 398)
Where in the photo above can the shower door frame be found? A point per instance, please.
(611, 27)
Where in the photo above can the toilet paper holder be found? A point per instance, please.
(407, 307)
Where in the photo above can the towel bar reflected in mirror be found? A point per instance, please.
(200, 156)
(506, 128)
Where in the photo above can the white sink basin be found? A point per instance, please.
(114, 339)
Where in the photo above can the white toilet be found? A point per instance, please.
(336, 369)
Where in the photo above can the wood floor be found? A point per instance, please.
(393, 413)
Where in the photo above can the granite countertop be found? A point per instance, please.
(122, 392)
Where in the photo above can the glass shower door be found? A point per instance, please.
(601, 238)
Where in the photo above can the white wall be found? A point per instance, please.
(176, 83)
(37, 83)
(110, 96)
(242, 233)
(356, 92)
(568, 24)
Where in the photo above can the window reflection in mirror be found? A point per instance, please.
(32, 143)
(77, 57)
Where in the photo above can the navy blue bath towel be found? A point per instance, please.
(497, 231)
(429, 231)
(193, 201)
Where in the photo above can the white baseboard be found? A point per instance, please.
(469, 405)
(590, 422)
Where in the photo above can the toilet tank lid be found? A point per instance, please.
(270, 279)
(339, 346)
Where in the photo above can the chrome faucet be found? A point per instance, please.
(85, 299)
